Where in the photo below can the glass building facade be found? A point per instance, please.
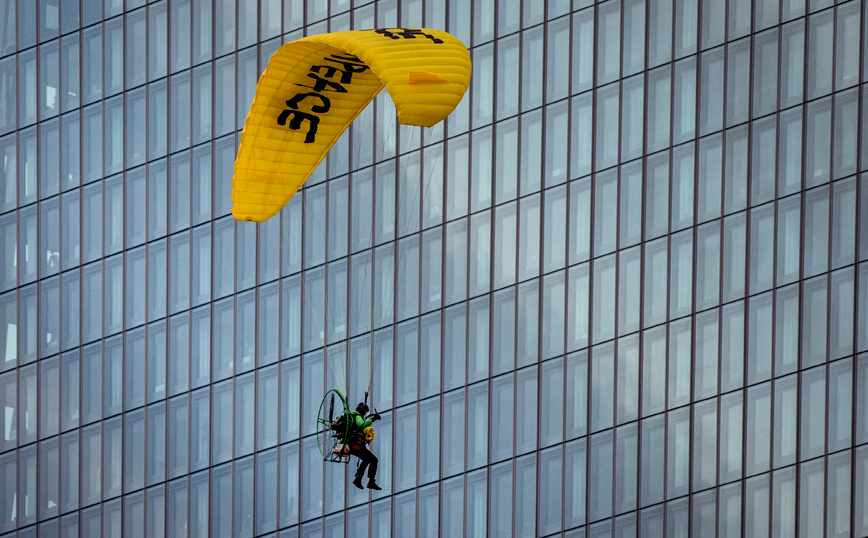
(622, 291)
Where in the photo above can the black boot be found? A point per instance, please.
(358, 482)
(373, 485)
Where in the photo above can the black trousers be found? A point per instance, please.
(360, 451)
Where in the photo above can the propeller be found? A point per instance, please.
(331, 408)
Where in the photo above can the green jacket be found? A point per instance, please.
(358, 422)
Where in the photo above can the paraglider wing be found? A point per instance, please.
(313, 88)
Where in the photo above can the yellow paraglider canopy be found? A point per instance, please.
(313, 88)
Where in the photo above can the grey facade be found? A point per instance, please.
(622, 291)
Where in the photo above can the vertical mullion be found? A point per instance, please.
(802, 244)
(258, 248)
(642, 258)
(80, 464)
(592, 261)
(569, 184)
(829, 269)
(749, 292)
(856, 280)
(616, 332)
(211, 381)
(672, 4)
(695, 227)
(544, 26)
(281, 362)
(492, 244)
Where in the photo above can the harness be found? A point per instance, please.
(358, 435)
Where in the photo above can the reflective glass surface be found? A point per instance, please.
(621, 291)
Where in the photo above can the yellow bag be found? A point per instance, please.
(369, 434)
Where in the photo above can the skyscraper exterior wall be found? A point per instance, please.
(622, 291)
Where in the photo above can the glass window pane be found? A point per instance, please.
(656, 280)
(224, 97)
(244, 415)
(158, 127)
(758, 431)
(679, 363)
(738, 81)
(678, 448)
(8, 32)
(811, 498)
(198, 522)
(525, 495)
(820, 50)
(136, 51)
(630, 232)
(500, 506)
(733, 273)
(27, 87)
(575, 471)
(841, 312)
(505, 245)
(28, 166)
(632, 117)
(684, 113)
(134, 451)
(813, 392)
(532, 161)
(70, 71)
(533, 62)
(845, 133)
(91, 385)
(482, 88)
(789, 239)
(732, 350)
(605, 212)
(92, 220)
(480, 260)
(608, 43)
(818, 151)
(8, 176)
(583, 50)
(503, 400)
(708, 265)
(762, 257)
(556, 150)
(581, 135)
(600, 476)
(710, 178)
(179, 126)
(659, 32)
(681, 275)
(654, 371)
(792, 63)
(178, 436)
(202, 81)
(731, 441)
(634, 36)
(580, 220)
(608, 120)
(604, 299)
(652, 460)
(477, 425)
(266, 492)
(785, 405)
(816, 231)
(765, 67)
(686, 26)
(706, 355)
